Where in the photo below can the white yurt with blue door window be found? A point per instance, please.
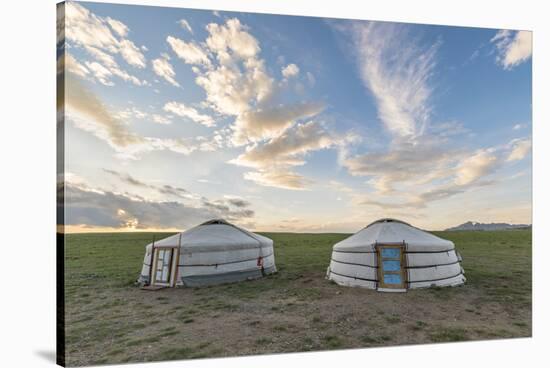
(391, 255)
(213, 252)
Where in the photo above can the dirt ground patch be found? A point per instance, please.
(110, 321)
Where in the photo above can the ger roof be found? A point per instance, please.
(392, 231)
(212, 235)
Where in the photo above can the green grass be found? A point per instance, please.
(114, 260)
(109, 318)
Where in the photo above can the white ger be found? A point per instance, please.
(391, 255)
(213, 252)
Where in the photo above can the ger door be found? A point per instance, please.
(391, 267)
(162, 266)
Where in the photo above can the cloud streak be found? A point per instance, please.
(87, 112)
(397, 72)
(165, 189)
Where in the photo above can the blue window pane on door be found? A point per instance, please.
(391, 265)
(390, 252)
(391, 278)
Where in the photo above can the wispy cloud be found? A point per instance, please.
(180, 109)
(279, 178)
(87, 112)
(397, 71)
(82, 101)
(421, 163)
(185, 25)
(165, 189)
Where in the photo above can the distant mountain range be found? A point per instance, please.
(471, 226)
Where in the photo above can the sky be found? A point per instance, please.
(171, 117)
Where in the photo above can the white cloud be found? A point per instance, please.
(237, 84)
(73, 66)
(189, 52)
(134, 112)
(289, 148)
(275, 158)
(103, 57)
(403, 163)
(252, 126)
(431, 174)
(164, 69)
(131, 112)
(519, 126)
(282, 179)
(185, 25)
(94, 33)
(82, 101)
(159, 119)
(476, 166)
(514, 47)
(102, 74)
(86, 29)
(182, 110)
(87, 112)
(130, 52)
(232, 37)
(109, 62)
(120, 28)
(234, 77)
(232, 92)
(289, 71)
(520, 149)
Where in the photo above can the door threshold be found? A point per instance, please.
(153, 287)
(388, 290)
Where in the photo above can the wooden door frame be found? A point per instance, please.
(172, 267)
(403, 261)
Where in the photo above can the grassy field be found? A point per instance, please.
(109, 320)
